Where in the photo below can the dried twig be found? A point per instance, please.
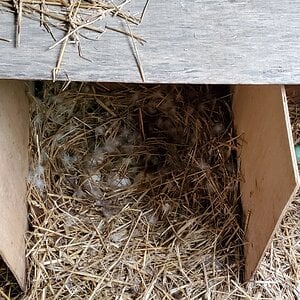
(144, 11)
(136, 54)
(5, 40)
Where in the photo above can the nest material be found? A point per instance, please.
(133, 193)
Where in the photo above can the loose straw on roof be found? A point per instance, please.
(73, 17)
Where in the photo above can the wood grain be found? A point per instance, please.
(14, 134)
(191, 41)
(267, 162)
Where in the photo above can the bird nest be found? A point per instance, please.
(133, 193)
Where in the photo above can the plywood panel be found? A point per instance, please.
(268, 164)
(188, 41)
(14, 133)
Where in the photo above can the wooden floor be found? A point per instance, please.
(190, 41)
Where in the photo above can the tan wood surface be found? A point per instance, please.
(268, 164)
(14, 133)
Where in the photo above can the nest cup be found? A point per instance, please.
(133, 192)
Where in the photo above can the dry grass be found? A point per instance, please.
(70, 22)
(133, 194)
(9, 288)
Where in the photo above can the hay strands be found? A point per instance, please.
(58, 14)
(133, 194)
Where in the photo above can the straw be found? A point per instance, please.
(133, 194)
(60, 15)
(138, 194)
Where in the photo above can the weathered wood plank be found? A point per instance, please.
(207, 41)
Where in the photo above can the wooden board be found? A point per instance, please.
(267, 162)
(202, 41)
(14, 133)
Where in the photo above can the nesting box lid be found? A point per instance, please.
(186, 42)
